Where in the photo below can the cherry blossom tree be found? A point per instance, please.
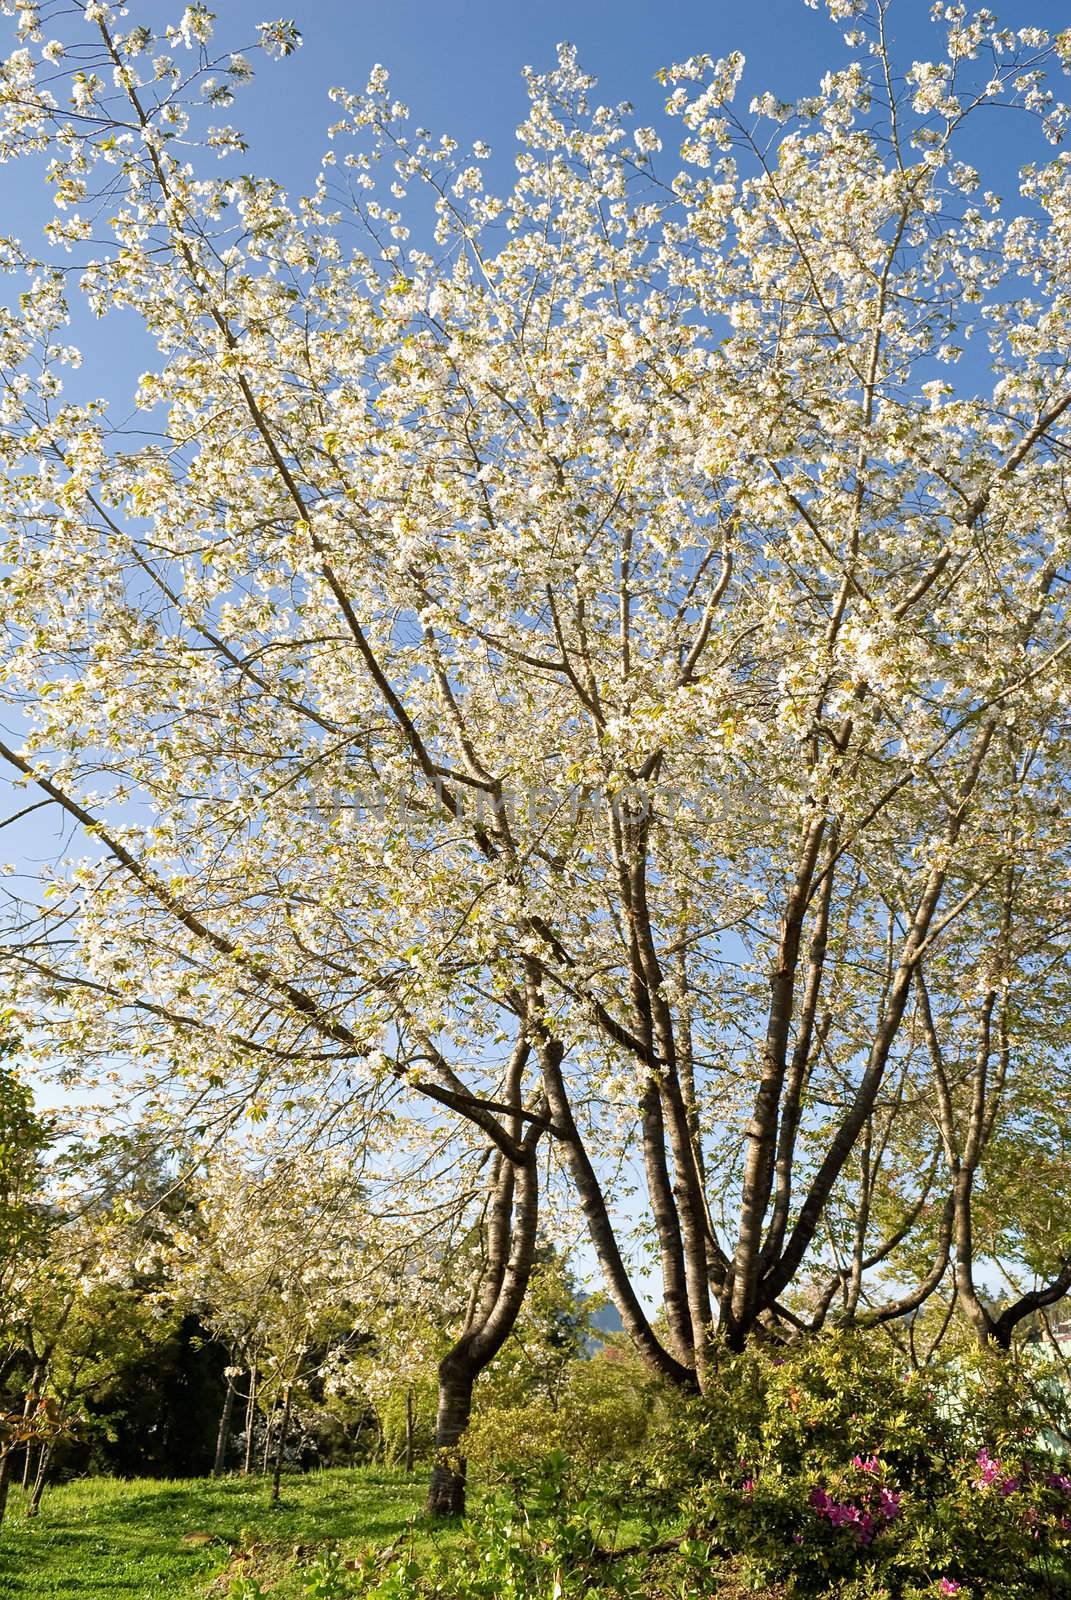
(566, 667)
(283, 1264)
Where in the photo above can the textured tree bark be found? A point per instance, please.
(223, 1434)
(684, 1282)
(446, 1493)
(808, 1037)
(667, 1225)
(491, 1323)
(601, 1230)
(688, 1228)
(740, 1299)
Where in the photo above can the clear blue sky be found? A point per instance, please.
(457, 63)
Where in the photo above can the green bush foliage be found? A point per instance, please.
(837, 1468)
(600, 1410)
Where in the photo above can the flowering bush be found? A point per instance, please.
(837, 1469)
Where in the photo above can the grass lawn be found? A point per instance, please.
(150, 1539)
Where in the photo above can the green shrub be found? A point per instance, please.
(601, 1410)
(836, 1469)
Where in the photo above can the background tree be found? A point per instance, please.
(280, 1259)
(24, 1237)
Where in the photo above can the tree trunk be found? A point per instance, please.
(223, 1436)
(5, 1481)
(269, 1428)
(409, 1430)
(280, 1446)
(446, 1494)
(250, 1419)
(43, 1461)
(479, 1344)
(601, 1230)
(27, 1409)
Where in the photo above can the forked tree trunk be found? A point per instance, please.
(223, 1435)
(512, 1224)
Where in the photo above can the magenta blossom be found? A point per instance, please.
(888, 1504)
(950, 1586)
(879, 1506)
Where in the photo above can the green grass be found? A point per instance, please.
(104, 1539)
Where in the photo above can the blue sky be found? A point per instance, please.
(458, 63)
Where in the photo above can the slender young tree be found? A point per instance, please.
(24, 1231)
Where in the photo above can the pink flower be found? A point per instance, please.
(950, 1586)
(888, 1504)
(861, 1523)
(870, 1464)
(748, 1486)
(990, 1466)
